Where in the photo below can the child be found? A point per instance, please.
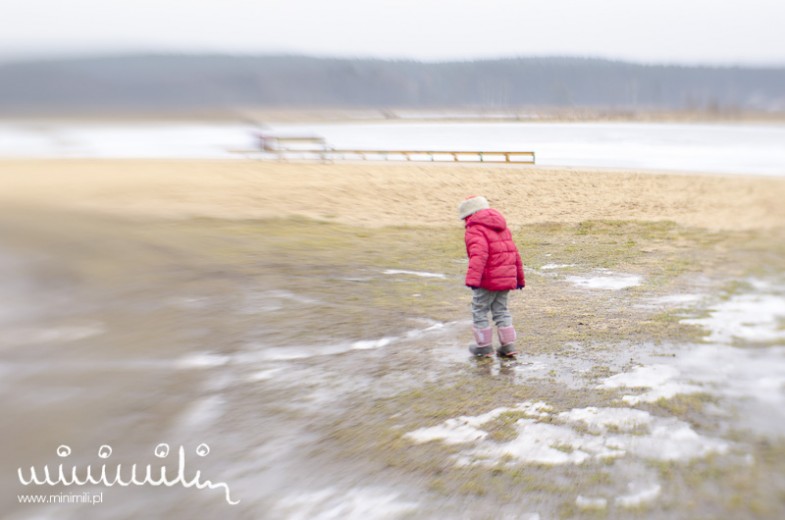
(495, 268)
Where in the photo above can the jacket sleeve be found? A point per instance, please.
(477, 251)
(519, 266)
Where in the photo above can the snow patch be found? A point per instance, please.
(201, 360)
(586, 503)
(542, 443)
(415, 273)
(547, 267)
(265, 375)
(466, 428)
(609, 281)
(672, 440)
(677, 299)
(612, 433)
(671, 301)
(669, 440)
(643, 497)
(600, 420)
(372, 343)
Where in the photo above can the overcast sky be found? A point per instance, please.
(653, 31)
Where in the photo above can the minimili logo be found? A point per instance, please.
(104, 475)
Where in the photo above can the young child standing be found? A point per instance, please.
(495, 268)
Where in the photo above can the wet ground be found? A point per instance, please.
(324, 367)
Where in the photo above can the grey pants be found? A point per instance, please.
(483, 301)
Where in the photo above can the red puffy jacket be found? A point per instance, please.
(494, 261)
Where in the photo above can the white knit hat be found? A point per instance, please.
(472, 205)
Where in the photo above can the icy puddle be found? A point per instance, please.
(736, 378)
(260, 353)
(257, 353)
(752, 318)
(753, 379)
(733, 365)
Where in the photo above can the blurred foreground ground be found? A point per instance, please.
(309, 323)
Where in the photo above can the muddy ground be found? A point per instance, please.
(325, 364)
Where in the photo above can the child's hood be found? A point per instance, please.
(489, 218)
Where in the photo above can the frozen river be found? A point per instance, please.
(713, 148)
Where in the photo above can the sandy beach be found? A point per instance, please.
(373, 194)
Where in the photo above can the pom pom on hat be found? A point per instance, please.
(472, 205)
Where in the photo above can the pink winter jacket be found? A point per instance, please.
(494, 261)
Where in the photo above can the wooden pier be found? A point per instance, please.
(434, 155)
(316, 148)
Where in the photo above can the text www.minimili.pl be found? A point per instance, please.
(107, 476)
(62, 498)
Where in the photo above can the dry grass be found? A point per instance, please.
(374, 195)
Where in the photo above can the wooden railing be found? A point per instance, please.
(331, 154)
(432, 155)
(315, 147)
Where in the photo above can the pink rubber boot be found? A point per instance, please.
(484, 339)
(507, 337)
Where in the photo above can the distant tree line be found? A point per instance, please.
(218, 82)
